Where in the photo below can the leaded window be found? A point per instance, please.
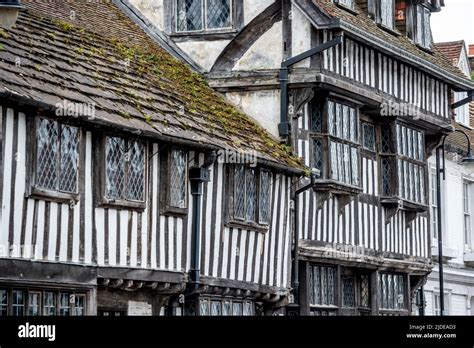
(422, 26)
(348, 296)
(64, 307)
(199, 15)
(368, 136)
(34, 303)
(386, 176)
(178, 179)
(18, 303)
(322, 286)
(50, 303)
(365, 290)
(57, 156)
(392, 292)
(410, 164)
(251, 190)
(387, 13)
(225, 307)
(125, 169)
(335, 143)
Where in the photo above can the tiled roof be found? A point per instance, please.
(91, 52)
(402, 44)
(452, 50)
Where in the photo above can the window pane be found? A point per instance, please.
(227, 309)
(80, 305)
(18, 304)
(331, 118)
(247, 309)
(178, 179)
(368, 134)
(334, 161)
(34, 303)
(419, 25)
(47, 138)
(347, 164)
(136, 172)
(317, 154)
(316, 117)
(387, 12)
(239, 193)
(339, 131)
(216, 308)
(237, 309)
(189, 15)
(69, 159)
(364, 291)
(355, 166)
(348, 292)
(115, 167)
(204, 308)
(264, 213)
(386, 177)
(354, 126)
(347, 3)
(49, 303)
(3, 302)
(345, 122)
(218, 14)
(64, 304)
(426, 27)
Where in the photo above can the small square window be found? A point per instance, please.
(203, 15)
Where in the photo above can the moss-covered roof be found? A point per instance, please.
(90, 52)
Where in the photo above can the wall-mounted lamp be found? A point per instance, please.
(9, 10)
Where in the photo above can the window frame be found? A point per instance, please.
(417, 26)
(165, 185)
(236, 17)
(350, 8)
(467, 213)
(32, 190)
(223, 301)
(379, 18)
(101, 173)
(234, 221)
(406, 296)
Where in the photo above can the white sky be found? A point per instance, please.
(454, 22)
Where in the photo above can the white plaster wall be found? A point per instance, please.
(265, 53)
(262, 106)
(152, 10)
(252, 8)
(205, 53)
(301, 35)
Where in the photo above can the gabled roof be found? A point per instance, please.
(91, 52)
(365, 29)
(452, 50)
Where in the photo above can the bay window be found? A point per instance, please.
(392, 291)
(202, 15)
(340, 136)
(217, 307)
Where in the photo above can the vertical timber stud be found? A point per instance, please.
(374, 295)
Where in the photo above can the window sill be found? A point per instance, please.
(392, 31)
(174, 211)
(247, 226)
(220, 34)
(403, 204)
(53, 196)
(423, 48)
(121, 204)
(336, 187)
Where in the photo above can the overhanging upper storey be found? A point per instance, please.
(396, 28)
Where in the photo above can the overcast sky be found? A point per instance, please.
(454, 22)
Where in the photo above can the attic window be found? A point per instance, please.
(422, 26)
(203, 15)
(387, 13)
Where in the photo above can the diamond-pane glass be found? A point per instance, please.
(385, 139)
(239, 192)
(47, 135)
(69, 157)
(115, 167)
(318, 154)
(264, 207)
(331, 286)
(218, 14)
(368, 134)
(316, 117)
(247, 309)
(348, 292)
(364, 291)
(386, 177)
(189, 15)
(216, 308)
(136, 172)
(317, 286)
(178, 179)
(204, 308)
(250, 194)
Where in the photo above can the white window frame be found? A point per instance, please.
(463, 112)
(437, 303)
(204, 18)
(467, 214)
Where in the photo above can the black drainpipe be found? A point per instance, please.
(296, 258)
(198, 176)
(284, 126)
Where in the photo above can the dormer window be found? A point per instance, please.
(422, 33)
(203, 15)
